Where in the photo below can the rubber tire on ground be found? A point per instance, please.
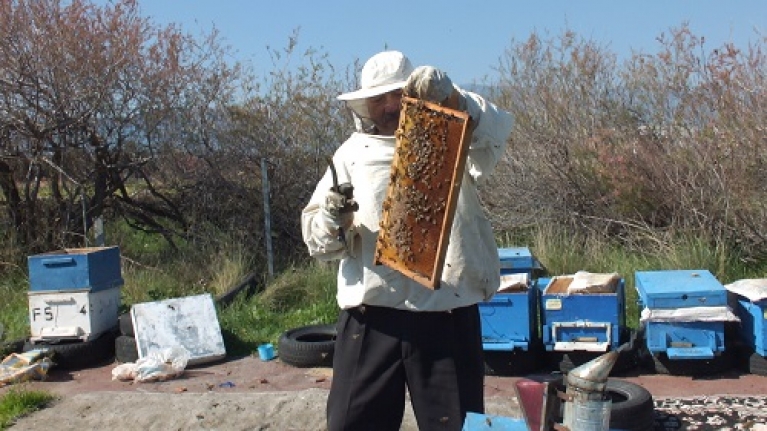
(126, 349)
(632, 406)
(518, 362)
(126, 325)
(748, 360)
(74, 355)
(12, 346)
(308, 346)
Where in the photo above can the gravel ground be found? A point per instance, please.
(250, 394)
(304, 410)
(712, 413)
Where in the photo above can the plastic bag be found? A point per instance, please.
(158, 365)
(21, 367)
(126, 371)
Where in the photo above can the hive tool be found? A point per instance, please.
(347, 191)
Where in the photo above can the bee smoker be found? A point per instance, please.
(586, 406)
(576, 402)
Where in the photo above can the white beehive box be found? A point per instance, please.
(189, 322)
(72, 314)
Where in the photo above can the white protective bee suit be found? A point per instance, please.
(471, 273)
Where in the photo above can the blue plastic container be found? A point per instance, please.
(675, 289)
(478, 422)
(94, 268)
(484, 422)
(591, 322)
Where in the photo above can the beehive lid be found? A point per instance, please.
(516, 258)
(680, 288)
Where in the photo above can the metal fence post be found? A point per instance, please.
(267, 217)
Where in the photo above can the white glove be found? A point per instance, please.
(333, 208)
(429, 83)
(334, 202)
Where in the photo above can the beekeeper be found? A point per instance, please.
(395, 335)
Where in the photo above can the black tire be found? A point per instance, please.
(632, 406)
(748, 360)
(126, 349)
(75, 355)
(13, 346)
(308, 346)
(126, 325)
(518, 362)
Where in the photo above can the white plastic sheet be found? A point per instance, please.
(21, 367)
(755, 289)
(589, 282)
(514, 282)
(689, 314)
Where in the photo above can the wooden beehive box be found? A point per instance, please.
(431, 148)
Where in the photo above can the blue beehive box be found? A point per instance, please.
(509, 319)
(92, 268)
(748, 298)
(515, 260)
(678, 289)
(751, 309)
(753, 323)
(591, 321)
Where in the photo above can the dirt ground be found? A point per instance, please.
(250, 394)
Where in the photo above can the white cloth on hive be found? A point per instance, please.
(514, 282)
(755, 289)
(589, 282)
(689, 314)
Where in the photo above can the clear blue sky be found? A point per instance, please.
(464, 38)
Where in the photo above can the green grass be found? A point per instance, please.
(305, 294)
(297, 297)
(14, 306)
(18, 402)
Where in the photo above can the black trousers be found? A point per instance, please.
(382, 353)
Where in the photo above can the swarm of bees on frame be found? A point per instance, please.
(415, 206)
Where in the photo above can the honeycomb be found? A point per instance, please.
(429, 161)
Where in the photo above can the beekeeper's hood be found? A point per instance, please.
(384, 72)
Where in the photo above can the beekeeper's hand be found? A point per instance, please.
(337, 209)
(433, 85)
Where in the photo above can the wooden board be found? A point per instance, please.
(431, 149)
